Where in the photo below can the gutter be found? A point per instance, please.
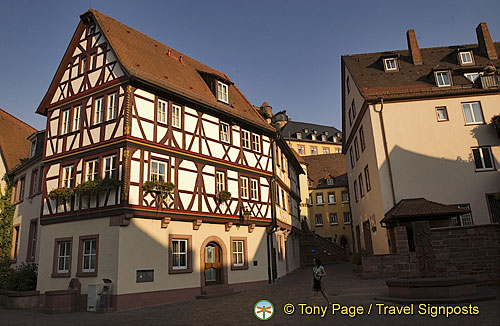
(274, 225)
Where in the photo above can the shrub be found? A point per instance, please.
(21, 279)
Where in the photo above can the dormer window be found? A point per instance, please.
(299, 135)
(313, 136)
(472, 76)
(33, 148)
(390, 64)
(466, 58)
(323, 137)
(306, 130)
(442, 78)
(222, 92)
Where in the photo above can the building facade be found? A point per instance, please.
(416, 125)
(312, 139)
(158, 174)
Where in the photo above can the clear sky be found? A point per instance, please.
(284, 52)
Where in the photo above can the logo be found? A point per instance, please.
(263, 310)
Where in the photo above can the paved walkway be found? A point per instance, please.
(343, 286)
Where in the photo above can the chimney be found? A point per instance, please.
(415, 54)
(485, 44)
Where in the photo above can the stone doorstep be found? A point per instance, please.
(404, 301)
(216, 291)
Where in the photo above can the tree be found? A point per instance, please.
(6, 215)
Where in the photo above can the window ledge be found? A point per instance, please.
(60, 275)
(180, 271)
(239, 268)
(86, 274)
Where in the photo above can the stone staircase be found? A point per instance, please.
(215, 291)
(314, 246)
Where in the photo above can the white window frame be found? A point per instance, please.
(154, 173)
(472, 76)
(331, 198)
(319, 199)
(238, 253)
(299, 135)
(92, 170)
(475, 119)
(244, 187)
(77, 117)
(326, 150)
(390, 64)
(224, 132)
(112, 106)
(314, 150)
(356, 148)
(245, 139)
(66, 122)
(88, 255)
(179, 253)
(347, 220)
(442, 109)
(480, 151)
(344, 200)
(463, 54)
(256, 142)
(362, 139)
(65, 257)
(440, 81)
(334, 219)
(367, 179)
(254, 189)
(222, 92)
(301, 149)
(162, 111)
(68, 175)
(176, 116)
(318, 219)
(109, 167)
(466, 219)
(33, 148)
(99, 110)
(220, 181)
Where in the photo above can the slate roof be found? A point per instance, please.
(289, 131)
(14, 145)
(410, 80)
(322, 167)
(150, 61)
(421, 209)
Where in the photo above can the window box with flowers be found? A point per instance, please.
(160, 190)
(223, 196)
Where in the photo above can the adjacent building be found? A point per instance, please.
(416, 126)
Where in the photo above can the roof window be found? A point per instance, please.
(390, 64)
(443, 78)
(466, 58)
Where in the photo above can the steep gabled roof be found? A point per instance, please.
(322, 167)
(14, 145)
(290, 130)
(152, 62)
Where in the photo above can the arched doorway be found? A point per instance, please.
(213, 264)
(343, 242)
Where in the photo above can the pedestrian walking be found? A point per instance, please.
(318, 273)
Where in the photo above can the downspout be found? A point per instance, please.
(386, 151)
(274, 224)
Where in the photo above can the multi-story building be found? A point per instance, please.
(128, 119)
(416, 125)
(308, 138)
(26, 195)
(329, 211)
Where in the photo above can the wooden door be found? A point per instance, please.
(368, 237)
(213, 264)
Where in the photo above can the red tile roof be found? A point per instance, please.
(14, 145)
(326, 166)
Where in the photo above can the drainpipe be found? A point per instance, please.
(386, 151)
(270, 257)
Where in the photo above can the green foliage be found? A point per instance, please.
(223, 196)
(88, 188)
(356, 258)
(6, 215)
(495, 121)
(21, 279)
(61, 193)
(108, 183)
(158, 187)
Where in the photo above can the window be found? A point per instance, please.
(244, 187)
(362, 139)
(283, 202)
(62, 258)
(351, 156)
(162, 111)
(472, 113)
(279, 242)
(93, 61)
(33, 148)
(443, 78)
(245, 139)
(301, 149)
(222, 92)
(67, 177)
(221, 183)
(465, 219)
(256, 142)
(347, 218)
(356, 193)
(65, 123)
(361, 187)
(87, 255)
(472, 76)
(314, 150)
(158, 170)
(110, 167)
(35, 183)
(326, 150)
(334, 219)
(112, 106)
(98, 110)
(239, 256)
(15, 242)
(323, 137)
(319, 219)
(30, 256)
(482, 158)
(92, 169)
(442, 113)
(494, 207)
(345, 196)
(367, 178)
(254, 189)
(353, 106)
(299, 135)
(319, 199)
(224, 132)
(19, 190)
(466, 57)
(330, 181)
(313, 136)
(77, 117)
(82, 68)
(179, 254)
(176, 116)
(356, 148)
(390, 64)
(331, 198)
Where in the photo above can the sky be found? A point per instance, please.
(284, 52)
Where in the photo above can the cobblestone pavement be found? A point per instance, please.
(344, 287)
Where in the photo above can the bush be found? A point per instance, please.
(356, 258)
(21, 279)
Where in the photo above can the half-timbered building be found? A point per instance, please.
(123, 111)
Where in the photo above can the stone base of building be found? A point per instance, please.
(432, 287)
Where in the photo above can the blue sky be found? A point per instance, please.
(284, 52)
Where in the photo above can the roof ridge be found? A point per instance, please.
(16, 118)
(311, 123)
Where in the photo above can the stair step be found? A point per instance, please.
(216, 291)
